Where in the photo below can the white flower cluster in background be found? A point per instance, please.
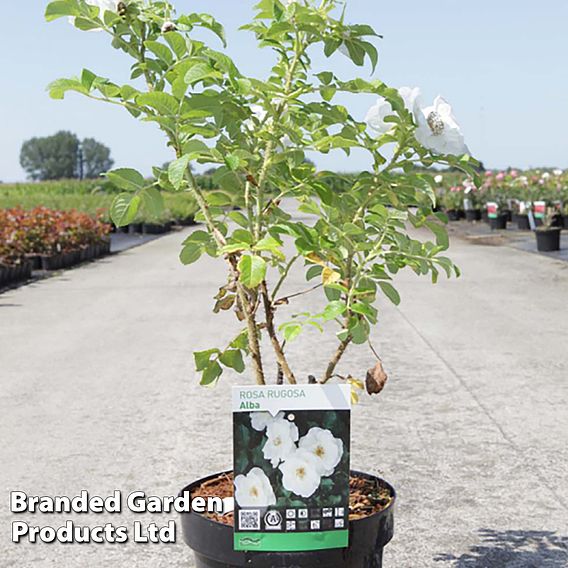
(303, 462)
(436, 126)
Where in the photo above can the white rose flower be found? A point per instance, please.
(327, 449)
(260, 420)
(438, 130)
(439, 178)
(254, 489)
(375, 117)
(103, 6)
(282, 438)
(382, 109)
(300, 474)
(558, 172)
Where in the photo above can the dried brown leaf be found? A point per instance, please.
(376, 379)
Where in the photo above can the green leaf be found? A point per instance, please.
(177, 170)
(177, 42)
(203, 358)
(199, 72)
(390, 292)
(163, 103)
(124, 209)
(161, 51)
(153, 201)
(334, 310)
(126, 178)
(190, 253)
(58, 88)
(252, 270)
(61, 8)
(233, 162)
(291, 330)
(440, 233)
(233, 358)
(87, 79)
(211, 374)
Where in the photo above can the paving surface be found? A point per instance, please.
(98, 392)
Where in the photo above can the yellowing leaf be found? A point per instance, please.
(329, 276)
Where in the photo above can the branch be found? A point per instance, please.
(285, 299)
(280, 357)
(340, 351)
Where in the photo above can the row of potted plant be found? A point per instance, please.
(46, 239)
(511, 195)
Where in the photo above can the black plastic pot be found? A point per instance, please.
(548, 240)
(453, 214)
(155, 228)
(499, 223)
(509, 214)
(134, 228)
(565, 221)
(212, 542)
(10, 274)
(472, 215)
(523, 222)
(484, 216)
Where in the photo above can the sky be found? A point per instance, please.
(503, 65)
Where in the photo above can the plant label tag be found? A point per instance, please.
(492, 209)
(291, 461)
(539, 209)
(467, 205)
(532, 222)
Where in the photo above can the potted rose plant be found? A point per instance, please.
(256, 132)
(548, 234)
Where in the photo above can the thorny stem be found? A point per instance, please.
(254, 344)
(280, 357)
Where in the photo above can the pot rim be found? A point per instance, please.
(355, 472)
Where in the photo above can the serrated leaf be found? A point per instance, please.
(126, 178)
(124, 209)
(163, 103)
(177, 170)
(153, 201)
(161, 51)
(191, 253)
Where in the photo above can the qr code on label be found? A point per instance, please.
(249, 520)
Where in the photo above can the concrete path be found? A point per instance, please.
(98, 393)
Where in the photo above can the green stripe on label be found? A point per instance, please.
(290, 542)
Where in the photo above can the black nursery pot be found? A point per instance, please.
(453, 214)
(212, 542)
(499, 222)
(548, 240)
(473, 215)
(523, 223)
(565, 221)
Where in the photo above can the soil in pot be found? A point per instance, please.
(500, 222)
(371, 527)
(547, 240)
(473, 215)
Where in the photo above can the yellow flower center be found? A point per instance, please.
(301, 472)
(320, 451)
(253, 491)
(435, 123)
(277, 441)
